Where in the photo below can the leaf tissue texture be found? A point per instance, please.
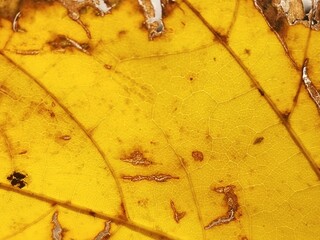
(206, 132)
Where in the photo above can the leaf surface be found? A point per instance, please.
(138, 131)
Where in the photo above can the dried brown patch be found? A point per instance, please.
(231, 200)
(105, 233)
(57, 231)
(156, 177)
(177, 216)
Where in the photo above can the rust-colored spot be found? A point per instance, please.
(57, 230)
(65, 137)
(62, 43)
(231, 200)
(107, 66)
(247, 51)
(17, 179)
(197, 155)
(136, 158)
(156, 177)
(105, 233)
(258, 140)
(43, 109)
(176, 215)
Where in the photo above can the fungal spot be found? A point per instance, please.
(156, 177)
(197, 155)
(105, 233)
(258, 140)
(62, 43)
(247, 51)
(231, 200)
(177, 216)
(136, 158)
(17, 179)
(261, 92)
(57, 229)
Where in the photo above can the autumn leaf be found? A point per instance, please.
(204, 132)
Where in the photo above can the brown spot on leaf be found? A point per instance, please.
(247, 51)
(197, 155)
(122, 33)
(62, 43)
(107, 66)
(23, 152)
(177, 216)
(17, 179)
(156, 177)
(258, 140)
(65, 137)
(231, 200)
(136, 158)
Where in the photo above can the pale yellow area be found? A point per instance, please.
(182, 92)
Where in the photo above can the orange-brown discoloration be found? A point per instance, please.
(136, 158)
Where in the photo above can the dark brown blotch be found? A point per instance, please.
(258, 140)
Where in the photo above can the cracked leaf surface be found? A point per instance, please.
(209, 85)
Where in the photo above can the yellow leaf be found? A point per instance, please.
(206, 132)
